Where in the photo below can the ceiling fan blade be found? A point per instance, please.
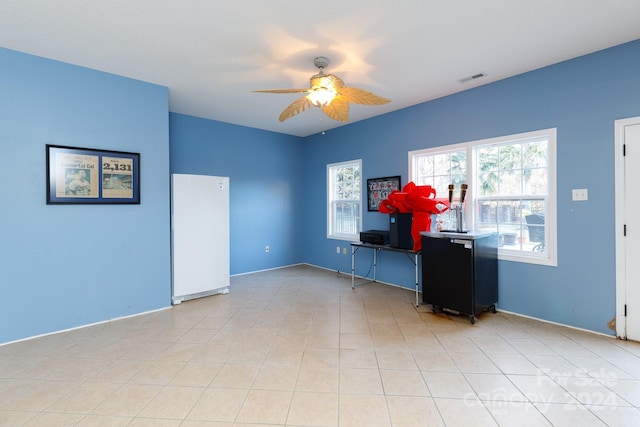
(359, 96)
(326, 80)
(337, 110)
(297, 107)
(282, 91)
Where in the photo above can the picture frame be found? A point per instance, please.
(91, 176)
(379, 189)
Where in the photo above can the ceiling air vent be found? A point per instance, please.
(474, 77)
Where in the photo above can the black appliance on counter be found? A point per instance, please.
(375, 237)
(400, 230)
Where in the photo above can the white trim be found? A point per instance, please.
(88, 325)
(267, 269)
(620, 209)
(557, 324)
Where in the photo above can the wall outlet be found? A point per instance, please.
(579, 194)
(344, 251)
(266, 249)
(337, 249)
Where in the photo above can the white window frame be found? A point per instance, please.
(550, 257)
(332, 233)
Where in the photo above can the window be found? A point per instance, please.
(344, 216)
(512, 183)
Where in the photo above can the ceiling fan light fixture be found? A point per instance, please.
(321, 96)
(329, 93)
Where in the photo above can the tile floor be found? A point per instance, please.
(298, 347)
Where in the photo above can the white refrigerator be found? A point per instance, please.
(199, 236)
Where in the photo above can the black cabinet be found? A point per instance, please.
(460, 272)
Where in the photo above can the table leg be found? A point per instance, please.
(353, 268)
(375, 262)
(417, 278)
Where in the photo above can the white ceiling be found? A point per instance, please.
(211, 54)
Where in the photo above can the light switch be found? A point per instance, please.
(579, 194)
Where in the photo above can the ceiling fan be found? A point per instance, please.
(328, 92)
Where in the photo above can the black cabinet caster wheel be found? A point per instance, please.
(472, 319)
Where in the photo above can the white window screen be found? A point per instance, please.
(344, 188)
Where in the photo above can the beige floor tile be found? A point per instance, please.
(424, 342)
(358, 358)
(598, 367)
(276, 377)
(320, 379)
(120, 371)
(313, 409)
(235, 376)
(214, 352)
(513, 363)
(180, 351)
(428, 361)
(474, 362)
(128, 400)
(84, 398)
(403, 383)
(196, 374)
(158, 373)
(556, 366)
(629, 390)
(327, 357)
(354, 327)
(493, 345)
(188, 423)
(448, 385)
(218, 404)
(516, 413)
(12, 388)
(53, 419)
(454, 343)
(360, 381)
(495, 387)
(265, 407)
(104, 421)
(616, 416)
(412, 411)
(569, 415)
(40, 395)
(356, 341)
(285, 354)
(248, 353)
(173, 402)
(323, 340)
(530, 346)
(154, 422)
(540, 388)
(462, 412)
(396, 359)
(15, 418)
(386, 341)
(361, 410)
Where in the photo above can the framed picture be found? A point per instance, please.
(379, 189)
(90, 176)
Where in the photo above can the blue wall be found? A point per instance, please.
(581, 98)
(265, 171)
(66, 266)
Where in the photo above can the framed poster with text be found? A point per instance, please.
(90, 176)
